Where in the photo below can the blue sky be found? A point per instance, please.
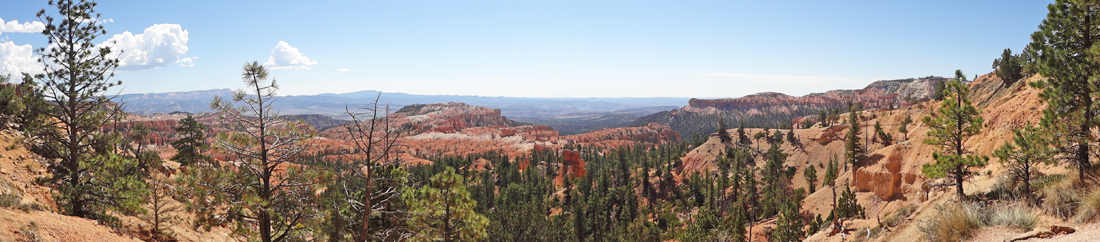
(543, 49)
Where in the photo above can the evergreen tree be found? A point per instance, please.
(847, 206)
(1009, 67)
(267, 190)
(742, 137)
(949, 127)
(737, 219)
(723, 134)
(444, 210)
(791, 139)
(775, 181)
(788, 227)
(904, 129)
(853, 149)
(883, 137)
(831, 172)
(191, 143)
(751, 195)
(937, 90)
(1063, 51)
(1027, 150)
(138, 140)
(160, 208)
(89, 178)
(811, 177)
(823, 117)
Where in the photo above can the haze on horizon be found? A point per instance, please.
(539, 49)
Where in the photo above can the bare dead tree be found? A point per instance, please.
(267, 187)
(372, 162)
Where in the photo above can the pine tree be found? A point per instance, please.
(737, 219)
(1009, 68)
(831, 172)
(791, 139)
(1063, 51)
(1027, 150)
(742, 137)
(444, 210)
(191, 143)
(823, 117)
(268, 190)
(883, 137)
(723, 134)
(937, 90)
(811, 177)
(89, 177)
(751, 195)
(903, 129)
(853, 149)
(949, 127)
(775, 181)
(788, 227)
(847, 206)
(161, 209)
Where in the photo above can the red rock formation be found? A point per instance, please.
(573, 163)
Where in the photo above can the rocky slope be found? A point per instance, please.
(701, 116)
(891, 177)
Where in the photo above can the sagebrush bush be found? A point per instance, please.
(954, 222)
(1017, 216)
(10, 200)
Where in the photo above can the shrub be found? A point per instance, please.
(30, 232)
(10, 200)
(899, 216)
(1017, 216)
(954, 222)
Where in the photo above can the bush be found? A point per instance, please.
(1017, 216)
(10, 200)
(954, 222)
(899, 216)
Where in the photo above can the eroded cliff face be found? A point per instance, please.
(878, 94)
(701, 116)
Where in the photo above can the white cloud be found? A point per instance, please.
(284, 56)
(15, 27)
(341, 69)
(15, 59)
(187, 62)
(158, 46)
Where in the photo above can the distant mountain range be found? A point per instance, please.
(579, 115)
(333, 105)
(570, 115)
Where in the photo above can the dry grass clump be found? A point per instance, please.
(899, 216)
(954, 222)
(1017, 216)
(1061, 198)
(1089, 207)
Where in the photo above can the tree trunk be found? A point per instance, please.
(959, 181)
(365, 232)
(265, 225)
